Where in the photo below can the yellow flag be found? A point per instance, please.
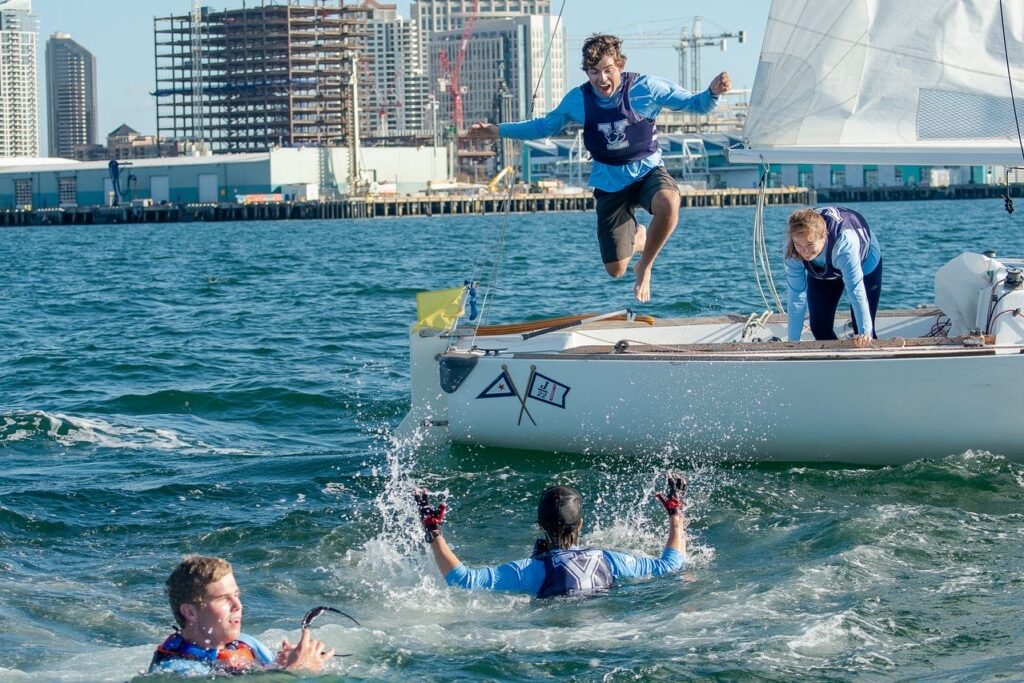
(439, 309)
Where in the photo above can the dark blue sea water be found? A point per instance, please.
(231, 389)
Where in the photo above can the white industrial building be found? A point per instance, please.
(295, 173)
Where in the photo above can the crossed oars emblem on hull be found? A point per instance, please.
(521, 398)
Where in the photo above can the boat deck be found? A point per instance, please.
(817, 350)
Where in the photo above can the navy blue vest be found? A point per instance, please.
(617, 136)
(575, 572)
(836, 221)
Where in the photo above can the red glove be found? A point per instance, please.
(431, 518)
(673, 502)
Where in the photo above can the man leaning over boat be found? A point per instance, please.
(830, 250)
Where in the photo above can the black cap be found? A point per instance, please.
(560, 508)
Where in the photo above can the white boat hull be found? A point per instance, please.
(727, 388)
(863, 410)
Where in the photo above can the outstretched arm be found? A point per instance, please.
(432, 518)
(443, 555)
(568, 110)
(675, 507)
(673, 557)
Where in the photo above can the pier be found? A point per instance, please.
(373, 207)
(845, 195)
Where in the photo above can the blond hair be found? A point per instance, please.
(188, 582)
(601, 45)
(807, 222)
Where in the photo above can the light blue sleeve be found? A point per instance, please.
(796, 308)
(846, 257)
(263, 653)
(650, 94)
(570, 109)
(625, 566)
(521, 576)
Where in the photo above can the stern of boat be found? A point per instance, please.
(427, 420)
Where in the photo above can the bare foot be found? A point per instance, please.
(642, 288)
(639, 239)
(861, 341)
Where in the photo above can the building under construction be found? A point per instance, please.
(280, 74)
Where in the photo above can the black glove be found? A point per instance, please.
(673, 502)
(431, 518)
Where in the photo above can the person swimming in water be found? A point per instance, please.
(207, 607)
(558, 565)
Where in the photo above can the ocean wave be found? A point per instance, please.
(68, 430)
(251, 400)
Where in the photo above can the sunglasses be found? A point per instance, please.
(312, 614)
(317, 611)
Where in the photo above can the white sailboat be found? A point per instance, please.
(868, 81)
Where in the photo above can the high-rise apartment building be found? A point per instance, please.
(507, 45)
(70, 96)
(510, 54)
(395, 78)
(19, 77)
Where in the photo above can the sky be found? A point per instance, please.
(120, 34)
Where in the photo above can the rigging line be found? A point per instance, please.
(547, 55)
(492, 285)
(769, 276)
(1009, 77)
(761, 261)
(496, 265)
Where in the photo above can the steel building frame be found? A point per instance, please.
(247, 80)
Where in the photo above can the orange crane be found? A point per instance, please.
(451, 73)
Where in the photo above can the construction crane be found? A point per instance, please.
(492, 186)
(690, 43)
(686, 44)
(450, 73)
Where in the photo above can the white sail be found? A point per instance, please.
(888, 81)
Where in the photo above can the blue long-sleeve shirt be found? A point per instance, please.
(526, 576)
(648, 96)
(845, 257)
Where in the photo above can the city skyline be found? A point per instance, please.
(125, 65)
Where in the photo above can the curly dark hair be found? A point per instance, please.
(601, 45)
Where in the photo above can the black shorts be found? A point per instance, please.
(616, 223)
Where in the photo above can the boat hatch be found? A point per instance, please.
(454, 370)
